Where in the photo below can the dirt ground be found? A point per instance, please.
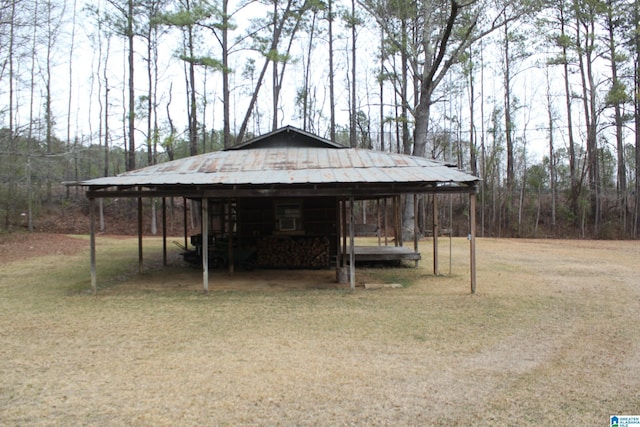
(20, 246)
(552, 336)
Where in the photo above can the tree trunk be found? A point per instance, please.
(106, 111)
(274, 74)
(473, 146)
(483, 150)
(11, 185)
(617, 99)
(552, 157)
(574, 193)
(273, 49)
(585, 61)
(149, 98)
(131, 161)
(404, 90)
(34, 54)
(70, 86)
(636, 116)
(306, 102)
(508, 129)
(279, 75)
(381, 83)
(193, 118)
(332, 101)
(226, 96)
(353, 140)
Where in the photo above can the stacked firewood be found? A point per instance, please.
(293, 252)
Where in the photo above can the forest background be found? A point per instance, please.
(539, 98)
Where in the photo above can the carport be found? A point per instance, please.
(290, 186)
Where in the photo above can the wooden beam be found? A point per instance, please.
(385, 253)
(472, 241)
(205, 244)
(223, 192)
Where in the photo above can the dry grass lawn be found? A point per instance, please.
(551, 338)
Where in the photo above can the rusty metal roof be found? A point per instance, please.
(290, 165)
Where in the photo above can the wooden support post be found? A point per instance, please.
(230, 235)
(436, 231)
(205, 243)
(342, 275)
(344, 228)
(472, 240)
(396, 239)
(415, 226)
(400, 223)
(140, 263)
(379, 223)
(338, 234)
(92, 243)
(164, 231)
(384, 208)
(352, 251)
(184, 221)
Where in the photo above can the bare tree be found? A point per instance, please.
(305, 100)
(72, 41)
(9, 62)
(352, 23)
(283, 24)
(447, 30)
(563, 41)
(635, 53)
(469, 73)
(552, 153)
(54, 16)
(122, 20)
(616, 98)
(585, 44)
(514, 53)
(332, 100)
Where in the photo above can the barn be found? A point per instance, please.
(286, 200)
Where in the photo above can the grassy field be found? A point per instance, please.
(552, 337)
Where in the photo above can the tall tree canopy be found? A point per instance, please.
(444, 79)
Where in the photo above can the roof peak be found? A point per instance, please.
(287, 136)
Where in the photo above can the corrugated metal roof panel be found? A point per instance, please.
(290, 165)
